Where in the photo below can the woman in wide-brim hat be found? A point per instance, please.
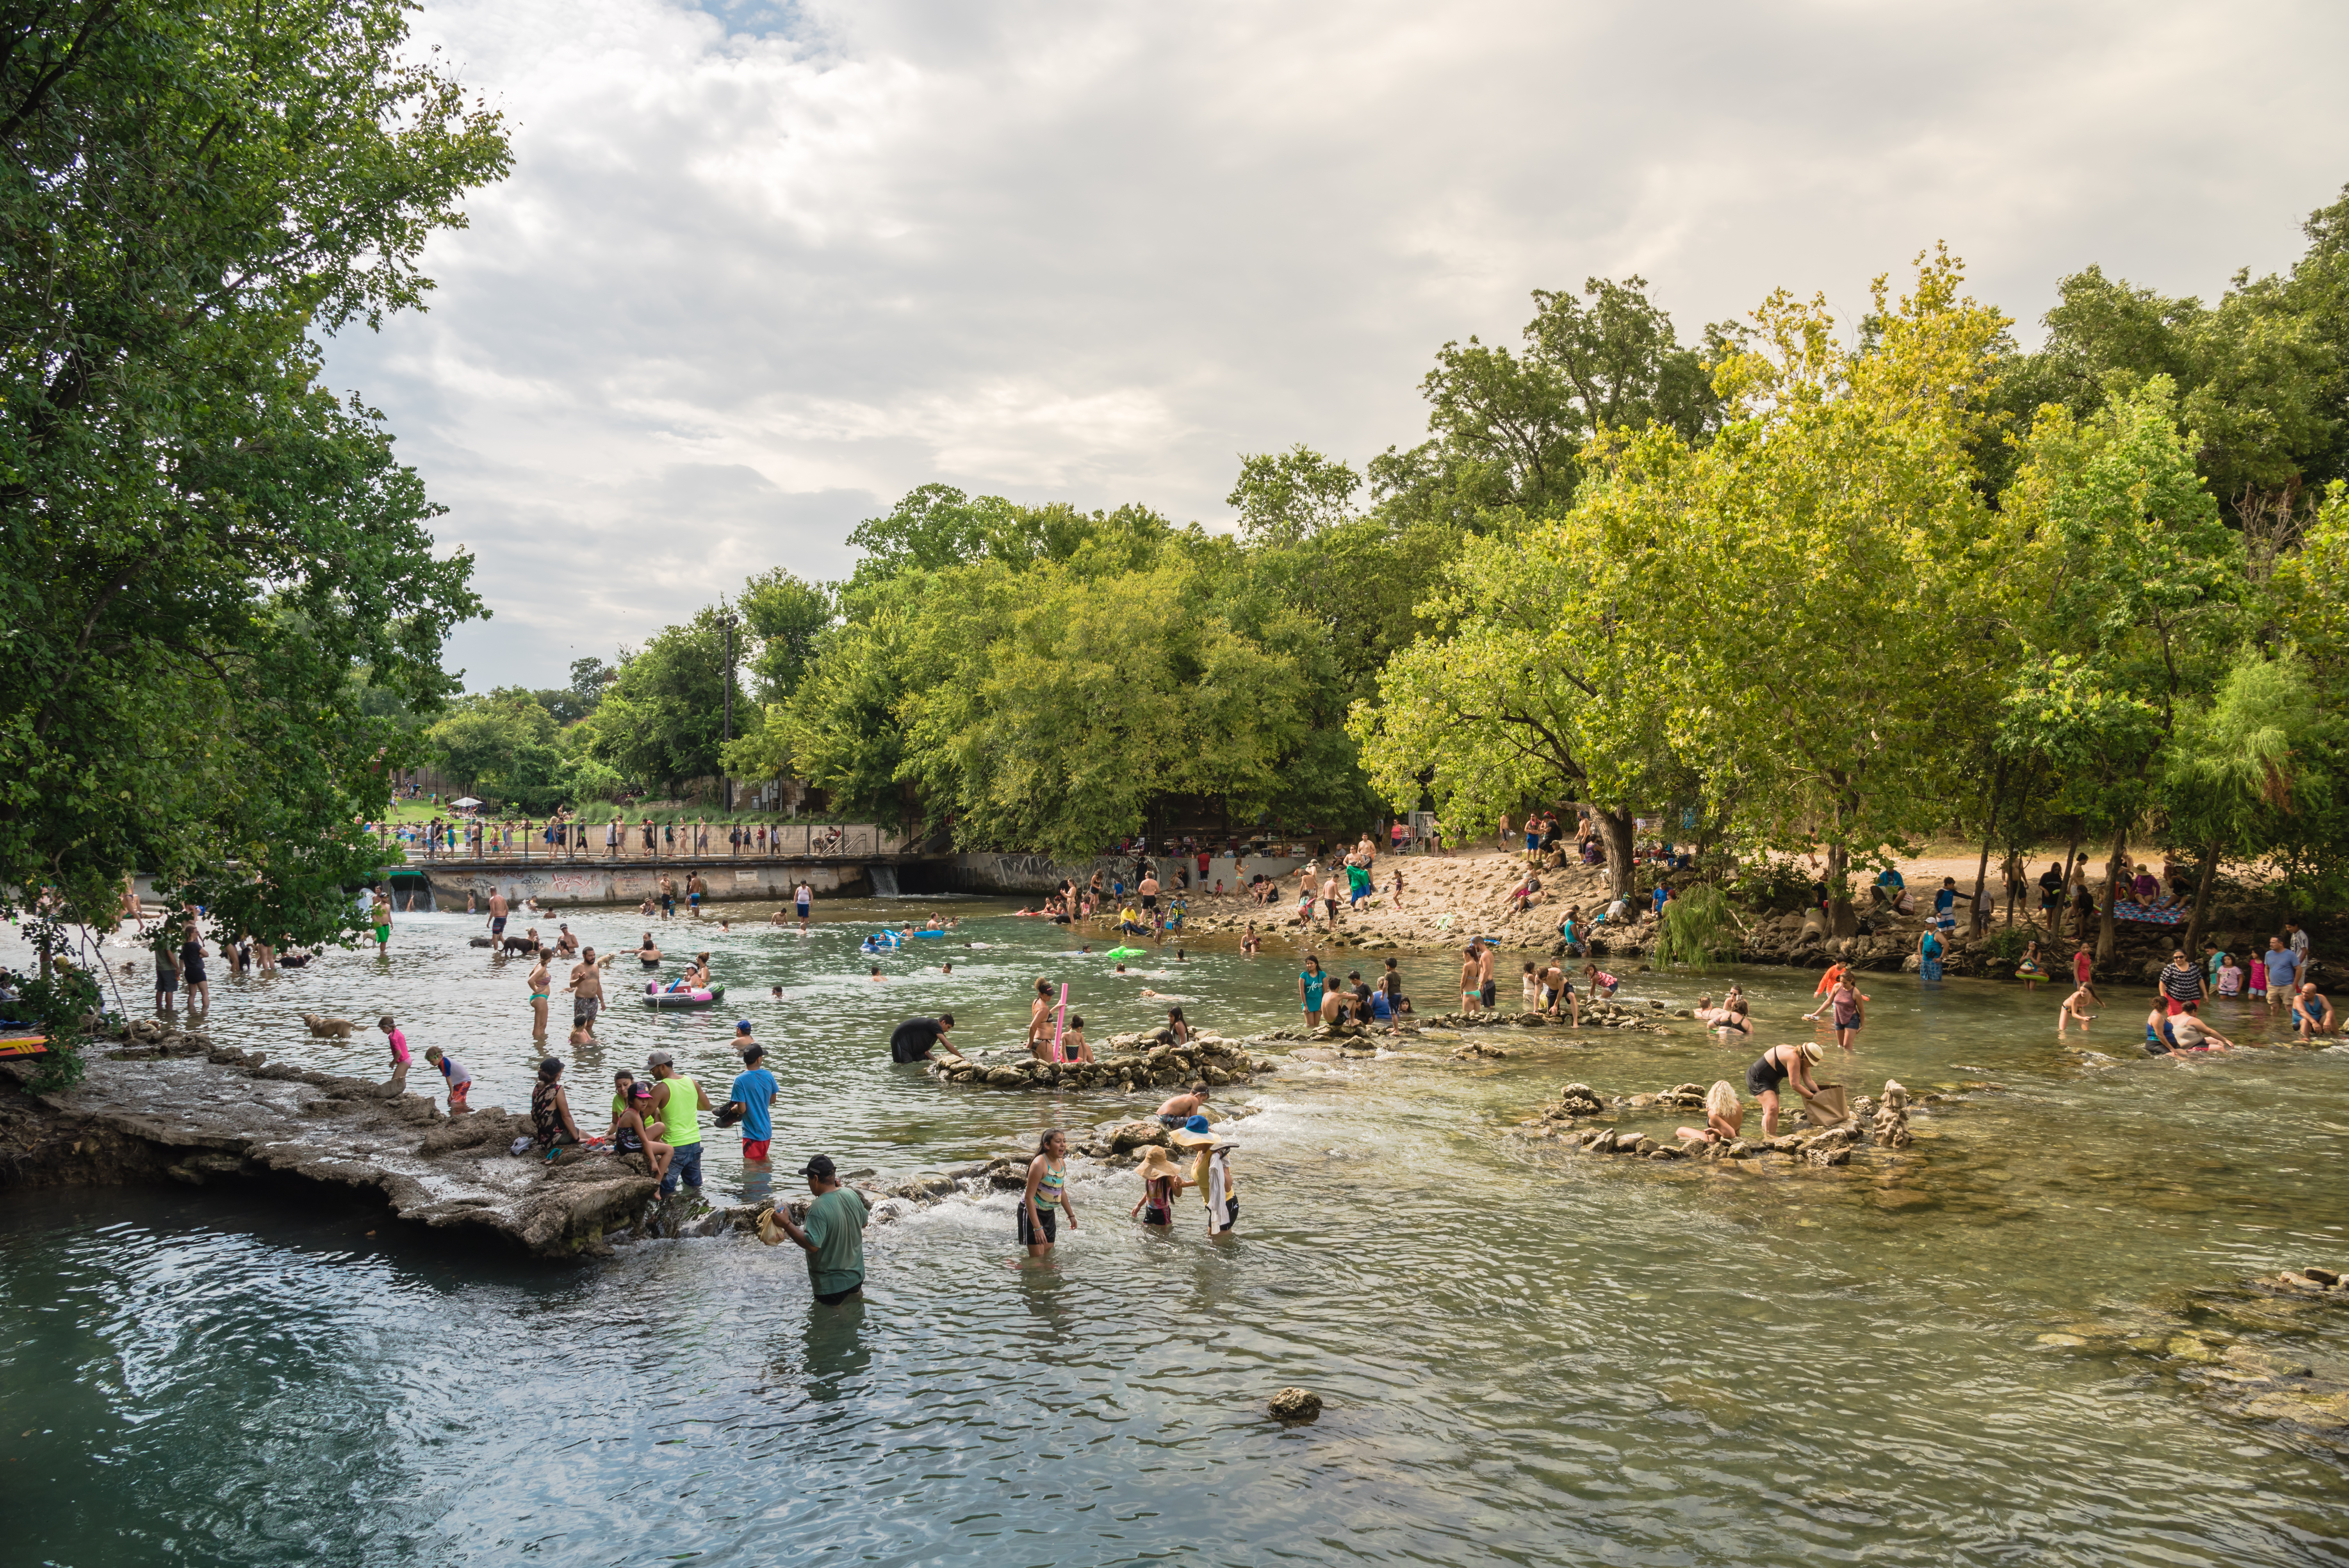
(1160, 1183)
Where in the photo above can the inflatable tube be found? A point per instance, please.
(655, 998)
(926, 934)
(1126, 953)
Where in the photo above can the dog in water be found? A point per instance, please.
(328, 1028)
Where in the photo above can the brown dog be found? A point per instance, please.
(335, 1028)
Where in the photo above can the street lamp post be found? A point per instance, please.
(727, 726)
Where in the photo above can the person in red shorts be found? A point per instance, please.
(754, 1091)
(460, 1082)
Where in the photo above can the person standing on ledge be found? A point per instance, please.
(679, 1102)
(834, 1236)
(913, 1040)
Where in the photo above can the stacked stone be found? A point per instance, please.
(1147, 1060)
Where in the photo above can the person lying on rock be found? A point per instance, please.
(1725, 1114)
(1180, 1108)
(1770, 1072)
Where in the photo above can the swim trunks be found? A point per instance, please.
(497, 926)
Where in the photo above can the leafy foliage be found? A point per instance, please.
(199, 544)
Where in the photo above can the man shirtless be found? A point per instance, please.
(1562, 997)
(1486, 991)
(586, 990)
(1181, 1108)
(497, 914)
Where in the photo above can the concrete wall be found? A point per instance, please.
(587, 883)
(1021, 875)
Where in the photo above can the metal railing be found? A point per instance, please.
(680, 844)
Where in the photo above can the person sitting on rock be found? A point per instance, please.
(2158, 1039)
(1175, 1027)
(632, 1129)
(1725, 1114)
(2311, 1015)
(1181, 1108)
(549, 1109)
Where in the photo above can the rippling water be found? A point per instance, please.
(1527, 1357)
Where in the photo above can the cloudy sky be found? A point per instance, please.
(760, 269)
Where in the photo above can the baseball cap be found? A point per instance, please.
(741, 1026)
(661, 1059)
(820, 1165)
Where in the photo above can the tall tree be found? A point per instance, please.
(2126, 584)
(199, 544)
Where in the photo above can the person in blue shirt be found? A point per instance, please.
(754, 1091)
(1928, 955)
(2283, 976)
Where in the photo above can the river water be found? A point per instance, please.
(1527, 1357)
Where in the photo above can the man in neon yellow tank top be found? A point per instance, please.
(679, 1101)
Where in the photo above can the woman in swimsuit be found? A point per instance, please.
(1039, 1019)
(1725, 1113)
(1770, 1072)
(1248, 941)
(541, 984)
(1047, 1197)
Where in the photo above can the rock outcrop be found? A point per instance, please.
(167, 1106)
(1127, 1062)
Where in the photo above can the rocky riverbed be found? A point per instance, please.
(2256, 1350)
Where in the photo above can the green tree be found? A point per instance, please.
(504, 746)
(662, 720)
(2125, 586)
(199, 544)
(1284, 498)
(784, 615)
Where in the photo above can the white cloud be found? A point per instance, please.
(746, 287)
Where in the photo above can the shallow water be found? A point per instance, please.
(1527, 1356)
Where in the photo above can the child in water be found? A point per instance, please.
(2029, 970)
(1181, 1031)
(1162, 1183)
(2231, 975)
(2074, 1009)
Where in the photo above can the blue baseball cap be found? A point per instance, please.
(741, 1026)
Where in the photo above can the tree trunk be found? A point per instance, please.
(2104, 941)
(1614, 831)
(1841, 921)
(1982, 871)
(2210, 874)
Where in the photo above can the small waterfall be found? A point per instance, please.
(885, 881)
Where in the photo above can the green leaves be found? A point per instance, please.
(198, 543)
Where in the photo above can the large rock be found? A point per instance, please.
(229, 1113)
(1134, 1135)
(1296, 1405)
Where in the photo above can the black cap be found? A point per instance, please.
(820, 1165)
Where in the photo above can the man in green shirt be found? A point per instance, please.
(834, 1237)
